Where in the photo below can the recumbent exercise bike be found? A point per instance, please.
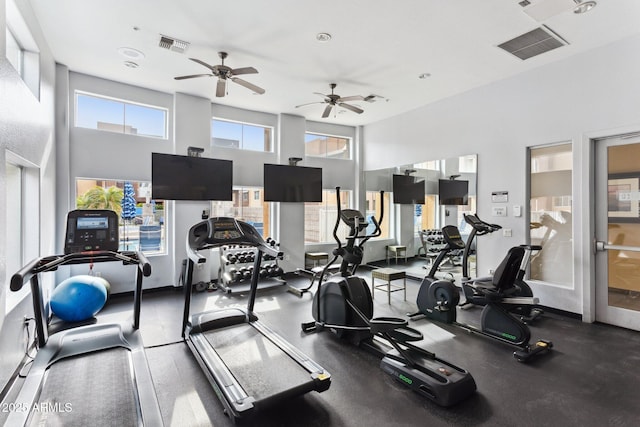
(438, 300)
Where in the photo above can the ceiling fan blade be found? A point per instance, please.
(351, 98)
(327, 111)
(248, 85)
(309, 103)
(321, 94)
(192, 76)
(220, 88)
(351, 107)
(244, 70)
(211, 67)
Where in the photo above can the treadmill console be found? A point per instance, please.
(91, 230)
(224, 229)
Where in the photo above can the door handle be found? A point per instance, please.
(603, 246)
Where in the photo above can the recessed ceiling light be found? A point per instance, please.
(584, 6)
(130, 64)
(424, 75)
(323, 37)
(131, 53)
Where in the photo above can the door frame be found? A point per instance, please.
(585, 244)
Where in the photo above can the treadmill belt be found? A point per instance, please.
(94, 389)
(262, 368)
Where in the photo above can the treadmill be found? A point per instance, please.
(249, 365)
(86, 373)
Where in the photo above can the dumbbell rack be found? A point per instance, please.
(236, 264)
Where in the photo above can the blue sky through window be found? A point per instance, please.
(115, 115)
(249, 137)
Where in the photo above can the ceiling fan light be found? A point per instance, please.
(584, 6)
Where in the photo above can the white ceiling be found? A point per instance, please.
(377, 46)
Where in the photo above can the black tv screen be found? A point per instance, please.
(287, 183)
(176, 177)
(453, 192)
(407, 190)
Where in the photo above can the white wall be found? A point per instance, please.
(595, 92)
(95, 154)
(26, 129)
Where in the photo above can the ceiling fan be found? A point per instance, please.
(334, 99)
(225, 73)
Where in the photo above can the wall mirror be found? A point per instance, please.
(416, 226)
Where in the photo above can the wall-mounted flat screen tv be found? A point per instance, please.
(453, 192)
(407, 190)
(175, 177)
(288, 183)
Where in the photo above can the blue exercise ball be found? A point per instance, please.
(79, 297)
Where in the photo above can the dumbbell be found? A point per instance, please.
(247, 273)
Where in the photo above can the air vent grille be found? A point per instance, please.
(533, 43)
(173, 44)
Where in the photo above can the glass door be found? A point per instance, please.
(618, 231)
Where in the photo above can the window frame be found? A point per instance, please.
(146, 185)
(346, 198)
(241, 142)
(239, 204)
(547, 228)
(29, 213)
(328, 135)
(124, 102)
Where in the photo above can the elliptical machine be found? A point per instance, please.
(343, 305)
(438, 300)
(472, 288)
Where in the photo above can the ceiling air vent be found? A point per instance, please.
(533, 43)
(175, 45)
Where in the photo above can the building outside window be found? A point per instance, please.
(146, 231)
(120, 116)
(252, 210)
(243, 136)
(334, 147)
(320, 217)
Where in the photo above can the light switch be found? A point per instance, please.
(517, 210)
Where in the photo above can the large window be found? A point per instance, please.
(320, 217)
(248, 205)
(144, 230)
(551, 213)
(243, 136)
(334, 147)
(373, 209)
(14, 52)
(116, 115)
(22, 241)
(21, 49)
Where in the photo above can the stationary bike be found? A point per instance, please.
(438, 300)
(474, 296)
(343, 305)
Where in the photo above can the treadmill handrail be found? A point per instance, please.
(51, 263)
(32, 269)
